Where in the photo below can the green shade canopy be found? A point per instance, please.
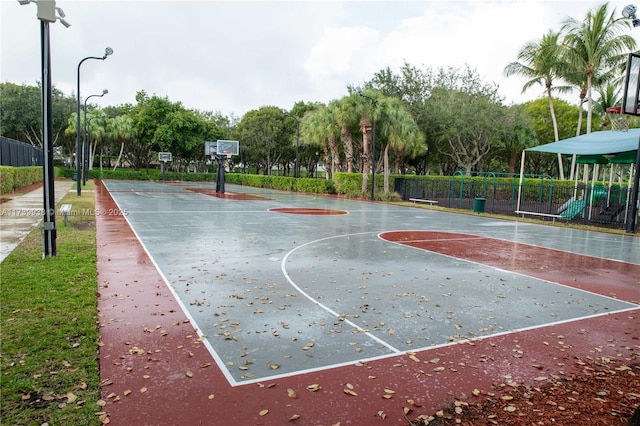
(595, 143)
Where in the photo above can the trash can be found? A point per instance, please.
(74, 176)
(478, 205)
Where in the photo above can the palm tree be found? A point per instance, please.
(541, 62)
(596, 47)
(122, 129)
(346, 114)
(369, 112)
(320, 127)
(401, 132)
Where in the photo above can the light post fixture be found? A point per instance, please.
(373, 147)
(108, 51)
(629, 12)
(47, 14)
(85, 149)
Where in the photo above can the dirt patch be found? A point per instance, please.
(605, 393)
(84, 225)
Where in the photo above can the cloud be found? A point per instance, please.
(234, 56)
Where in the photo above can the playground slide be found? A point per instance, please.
(574, 208)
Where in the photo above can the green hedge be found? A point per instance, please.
(12, 178)
(286, 183)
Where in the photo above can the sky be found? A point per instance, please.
(236, 56)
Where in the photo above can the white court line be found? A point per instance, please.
(203, 337)
(325, 307)
(495, 268)
(226, 373)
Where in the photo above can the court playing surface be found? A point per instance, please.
(281, 284)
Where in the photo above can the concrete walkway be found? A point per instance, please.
(20, 215)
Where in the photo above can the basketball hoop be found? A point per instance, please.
(617, 119)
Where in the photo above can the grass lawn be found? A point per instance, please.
(49, 354)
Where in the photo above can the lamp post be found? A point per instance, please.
(47, 14)
(85, 150)
(108, 51)
(373, 147)
(629, 12)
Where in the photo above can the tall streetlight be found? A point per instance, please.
(373, 147)
(108, 51)
(629, 12)
(85, 150)
(47, 14)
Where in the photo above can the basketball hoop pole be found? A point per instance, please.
(220, 175)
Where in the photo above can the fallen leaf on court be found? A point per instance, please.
(389, 391)
(211, 396)
(143, 390)
(189, 373)
(314, 387)
(274, 366)
(136, 351)
(350, 392)
(263, 412)
(414, 358)
(294, 417)
(308, 346)
(382, 414)
(292, 394)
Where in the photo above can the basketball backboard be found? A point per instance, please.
(228, 148)
(210, 148)
(164, 156)
(631, 89)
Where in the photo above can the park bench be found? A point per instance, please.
(65, 209)
(554, 216)
(421, 200)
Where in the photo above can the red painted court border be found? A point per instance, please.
(307, 211)
(228, 195)
(609, 278)
(156, 371)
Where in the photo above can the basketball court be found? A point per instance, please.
(273, 289)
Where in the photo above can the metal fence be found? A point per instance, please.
(18, 154)
(540, 197)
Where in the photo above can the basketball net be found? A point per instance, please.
(617, 119)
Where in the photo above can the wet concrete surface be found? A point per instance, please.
(233, 294)
(22, 214)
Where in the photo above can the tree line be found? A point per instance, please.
(414, 120)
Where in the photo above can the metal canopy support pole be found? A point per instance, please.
(633, 208)
(373, 161)
(49, 226)
(520, 181)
